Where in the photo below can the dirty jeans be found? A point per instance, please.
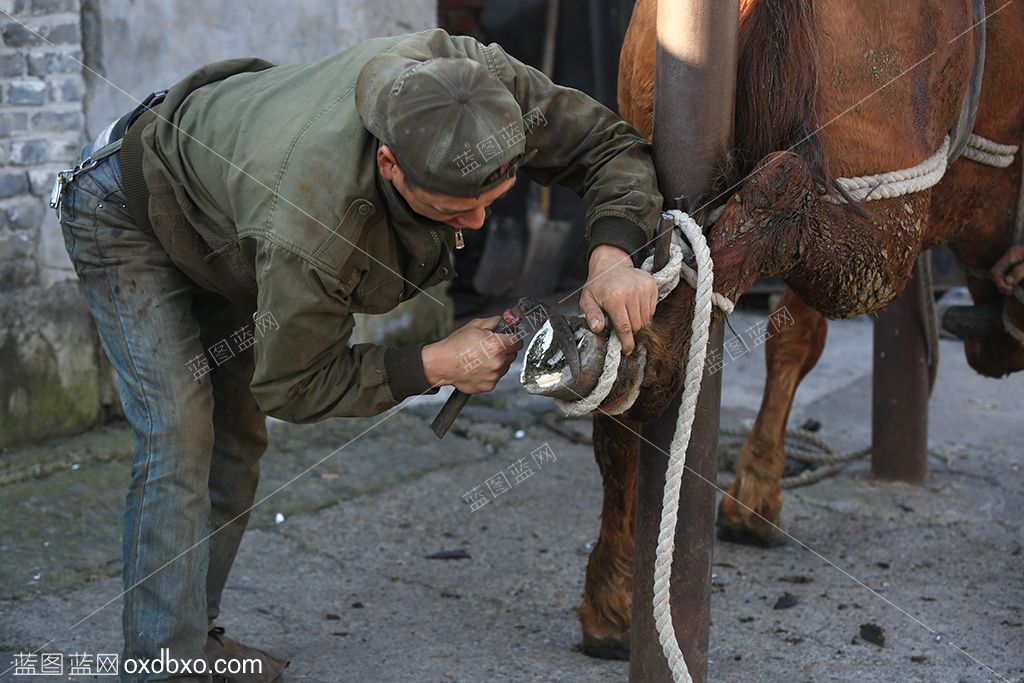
(197, 442)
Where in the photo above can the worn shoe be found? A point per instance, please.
(220, 647)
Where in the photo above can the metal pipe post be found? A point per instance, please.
(695, 92)
(899, 389)
(691, 564)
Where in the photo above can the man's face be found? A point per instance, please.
(460, 213)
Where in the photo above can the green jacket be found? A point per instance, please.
(264, 188)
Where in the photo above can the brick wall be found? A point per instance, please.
(41, 124)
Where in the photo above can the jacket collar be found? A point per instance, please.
(425, 246)
(412, 229)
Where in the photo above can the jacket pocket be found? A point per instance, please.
(338, 244)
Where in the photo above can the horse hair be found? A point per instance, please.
(777, 87)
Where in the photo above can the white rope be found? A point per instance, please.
(865, 188)
(635, 385)
(985, 151)
(590, 403)
(667, 279)
(1010, 328)
(704, 278)
(685, 272)
(888, 185)
(925, 175)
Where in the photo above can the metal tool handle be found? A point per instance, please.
(457, 401)
(449, 411)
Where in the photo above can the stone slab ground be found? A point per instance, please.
(344, 588)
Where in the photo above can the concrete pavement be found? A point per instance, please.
(344, 588)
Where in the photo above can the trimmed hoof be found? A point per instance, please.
(605, 648)
(764, 536)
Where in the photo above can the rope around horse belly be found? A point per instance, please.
(989, 153)
(926, 174)
(888, 185)
(865, 188)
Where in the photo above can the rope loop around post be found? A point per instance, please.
(700, 329)
(690, 243)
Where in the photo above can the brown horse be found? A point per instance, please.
(825, 89)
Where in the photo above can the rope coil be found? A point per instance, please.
(667, 279)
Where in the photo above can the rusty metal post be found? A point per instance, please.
(695, 91)
(899, 389)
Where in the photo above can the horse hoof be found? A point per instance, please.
(770, 536)
(604, 648)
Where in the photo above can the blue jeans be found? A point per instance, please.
(197, 441)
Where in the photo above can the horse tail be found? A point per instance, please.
(777, 86)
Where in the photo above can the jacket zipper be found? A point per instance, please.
(441, 247)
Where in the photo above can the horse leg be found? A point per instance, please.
(608, 587)
(749, 512)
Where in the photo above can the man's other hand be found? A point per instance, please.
(472, 358)
(627, 294)
(1008, 272)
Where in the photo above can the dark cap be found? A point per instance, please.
(450, 124)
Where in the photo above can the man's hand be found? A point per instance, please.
(627, 294)
(1008, 271)
(472, 358)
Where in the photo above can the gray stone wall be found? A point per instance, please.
(54, 379)
(41, 130)
(139, 47)
(133, 48)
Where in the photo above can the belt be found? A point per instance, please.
(110, 141)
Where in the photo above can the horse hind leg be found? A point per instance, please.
(749, 512)
(605, 612)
